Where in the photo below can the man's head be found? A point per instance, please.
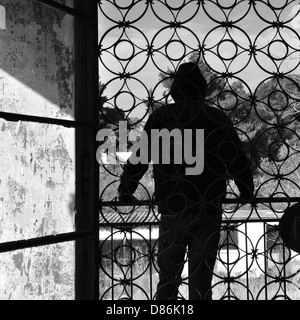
(188, 83)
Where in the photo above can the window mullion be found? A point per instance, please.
(66, 9)
(43, 241)
(27, 118)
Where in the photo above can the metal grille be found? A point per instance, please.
(249, 53)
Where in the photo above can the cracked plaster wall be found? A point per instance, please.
(37, 175)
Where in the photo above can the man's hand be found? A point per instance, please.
(127, 199)
(246, 198)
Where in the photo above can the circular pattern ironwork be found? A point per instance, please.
(249, 53)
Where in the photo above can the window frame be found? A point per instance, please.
(86, 234)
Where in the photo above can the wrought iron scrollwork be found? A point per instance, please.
(249, 52)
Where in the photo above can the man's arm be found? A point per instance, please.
(133, 173)
(239, 166)
(130, 179)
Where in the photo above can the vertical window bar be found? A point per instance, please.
(86, 82)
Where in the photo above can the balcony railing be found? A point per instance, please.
(252, 262)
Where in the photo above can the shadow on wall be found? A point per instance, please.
(37, 178)
(37, 60)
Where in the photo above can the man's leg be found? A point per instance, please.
(171, 254)
(202, 251)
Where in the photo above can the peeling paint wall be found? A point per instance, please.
(36, 61)
(37, 164)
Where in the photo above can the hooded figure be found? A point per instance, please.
(188, 82)
(190, 204)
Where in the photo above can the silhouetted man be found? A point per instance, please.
(189, 195)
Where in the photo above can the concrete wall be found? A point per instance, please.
(37, 164)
